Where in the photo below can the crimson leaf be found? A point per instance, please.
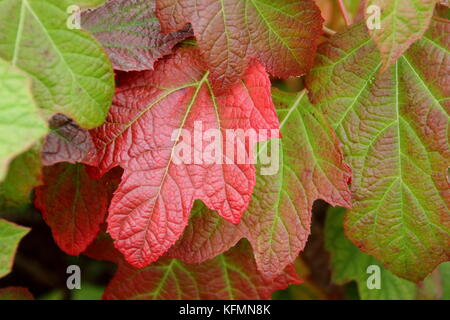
(277, 222)
(73, 204)
(151, 207)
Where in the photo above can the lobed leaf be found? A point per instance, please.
(349, 263)
(230, 33)
(403, 22)
(232, 275)
(394, 127)
(278, 219)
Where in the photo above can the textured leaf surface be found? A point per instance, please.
(71, 73)
(15, 293)
(232, 275)
(67, 142)
(394, 127)
(73, 204)
(23, 176)
(131, 33)
(20, 122)
(403, 22)
(277, 222)
(10, 236)
(349, 263)
(150, 209)
(282, 35)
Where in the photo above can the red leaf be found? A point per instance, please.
(278, 219)
(73, 204)
(281, 34)
(232, 275)
(151, 207)
(130, 33)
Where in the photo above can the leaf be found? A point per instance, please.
(403, 22)
(394, 127)
(10, 236)
(71, 73)
(20, 123)
(67, 142)
(277, 222)
(23, 176)
(349, 263)
(74, 205)
(230, 276)
(130, 33)
(282, 35)
(15, 293)
(152, 113)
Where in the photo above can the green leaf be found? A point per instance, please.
(20, 123)
(394, 127)
(403, 22)
(71, 73)
(23, 176)
(349, 263)
(10, 236)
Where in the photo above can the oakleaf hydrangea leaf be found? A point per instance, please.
(152, 113)
(10, 236)
(20, 122)
(23, 176)
(349, 263)
(131, 34)
(281, 34)
(394, 127)
(70, 71)
(277, 222)
(402, 23)
(232, 275)
(74, 204)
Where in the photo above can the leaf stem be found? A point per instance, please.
(328, 32)
(344, 13)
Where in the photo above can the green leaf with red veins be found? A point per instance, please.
(403, 22)
(309, 166)
(152, 113)
(232, 275)
(394, 127)
(10, 236)
(131, 34)
(282, 35)
(74, 204)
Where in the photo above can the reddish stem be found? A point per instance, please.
(344, 13)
